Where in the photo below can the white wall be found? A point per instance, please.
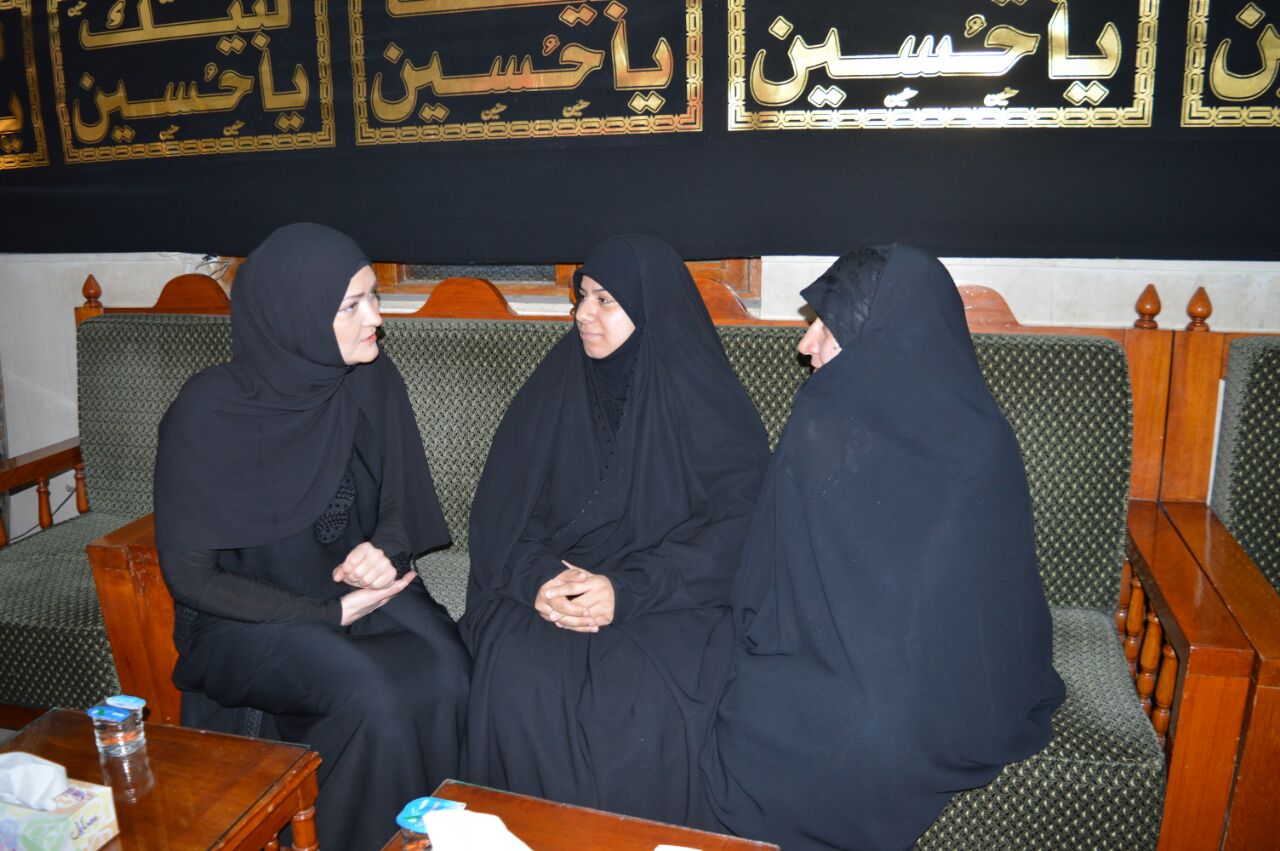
(38, 296)
(1245, 296)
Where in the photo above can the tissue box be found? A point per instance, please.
(84, 820)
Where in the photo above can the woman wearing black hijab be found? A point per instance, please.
(894, 645)
(291, 491)
(605, 533)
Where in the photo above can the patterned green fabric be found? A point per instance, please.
(461, 375)
(131, 366)
(445, 574)
(1069, 402)
(1246, 484)
(1100, 781)
(770, 369)
(55, 650)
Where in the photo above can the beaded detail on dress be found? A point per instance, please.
(333, 521)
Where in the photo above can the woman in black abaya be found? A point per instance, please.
(894, 645)
(605, 533)
(291, 491)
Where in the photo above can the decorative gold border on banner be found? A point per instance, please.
(322, 138)
(613, 125)
(40, 156)
(1194, 111)
(1136, 115)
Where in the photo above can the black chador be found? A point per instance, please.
(893, 644)
(644, 467)
(271, 469)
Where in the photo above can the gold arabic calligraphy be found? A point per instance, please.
(930, 57)
(512, 74)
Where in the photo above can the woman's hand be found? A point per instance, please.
(357, 604)
(591, 606)
(366, 566)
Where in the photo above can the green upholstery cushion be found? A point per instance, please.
(445, 573)
(1246, 483)
(55, 650)
(769, 368)
(461, 375)
(131, 366)
(1100, 781)
(1069, 403)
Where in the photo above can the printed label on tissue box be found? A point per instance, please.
(84, 820)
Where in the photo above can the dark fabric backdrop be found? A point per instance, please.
(1164, 191)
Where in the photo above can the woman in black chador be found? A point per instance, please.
(605, 534)
(291, 490)
(893, 641)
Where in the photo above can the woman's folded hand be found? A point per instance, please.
(577, 599)
(366, 566)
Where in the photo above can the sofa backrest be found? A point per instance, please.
(130, 367)
(1069, 402)
(1246, 483)
(461, 375)
(1066, 397)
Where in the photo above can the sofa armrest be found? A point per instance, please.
(138, 614)
(1192, 663)
(36, 468)
(1255, 605)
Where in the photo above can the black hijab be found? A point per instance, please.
(612, 265)
(688, 452)
(252, 451)
(894, 643)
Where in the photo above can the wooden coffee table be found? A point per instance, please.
(548, 826)
(210, 791)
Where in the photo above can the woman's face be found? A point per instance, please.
(357, 320)
(819, 344)
(602, 322)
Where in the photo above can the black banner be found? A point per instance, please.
(503, 131)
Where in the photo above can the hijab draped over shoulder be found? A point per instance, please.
(642, 466)
(252, 450)
(894, 645)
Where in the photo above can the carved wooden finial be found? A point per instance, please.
(91, 291)
(1148, 307)
(1199, 309)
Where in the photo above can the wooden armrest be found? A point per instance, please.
(138, 614)
(1194, 617)
(36, 468)
(1245, 592)
(1193, 657)
(138, 533)
(1255, 605)
(30, 467)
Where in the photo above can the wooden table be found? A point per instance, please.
(548, 826)
(210, 791)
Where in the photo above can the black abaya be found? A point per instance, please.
(613, 719)
(893, 639)
(270, 470)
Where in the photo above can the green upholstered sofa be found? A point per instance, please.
(1246, 486)
(1099, 783)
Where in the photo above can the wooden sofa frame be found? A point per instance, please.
(1198, 367)
(1191, 661)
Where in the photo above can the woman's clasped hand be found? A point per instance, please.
(576, 599)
